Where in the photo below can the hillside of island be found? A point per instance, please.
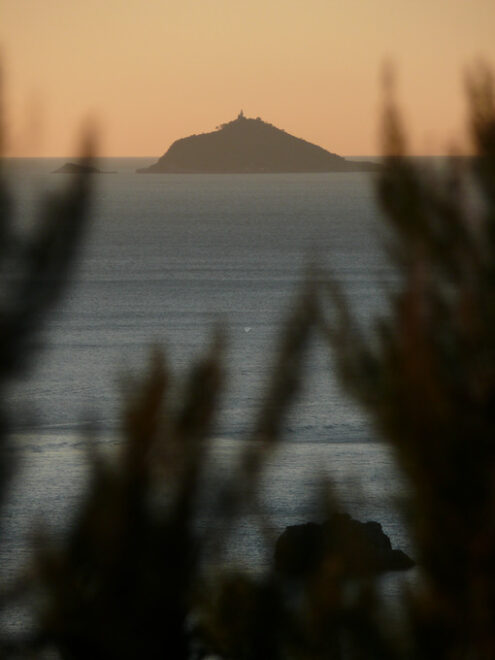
(247, 145)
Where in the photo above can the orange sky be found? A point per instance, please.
(151, 71)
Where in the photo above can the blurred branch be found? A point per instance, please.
(427, 378)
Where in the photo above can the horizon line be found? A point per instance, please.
(435, 155)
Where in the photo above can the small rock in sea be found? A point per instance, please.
(361, 548)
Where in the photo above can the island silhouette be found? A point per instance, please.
(247, 145)
(81, 168)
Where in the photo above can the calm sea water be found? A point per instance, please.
(165, 259)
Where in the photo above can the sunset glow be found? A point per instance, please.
(152, 72)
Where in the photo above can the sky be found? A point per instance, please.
(150, 72)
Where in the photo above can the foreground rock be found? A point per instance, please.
(78, 168)
(358, 548)
(250, 146)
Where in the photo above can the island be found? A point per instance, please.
(247, 145)
(80, 168)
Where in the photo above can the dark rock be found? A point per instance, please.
(299, 549)
(250, 146)
(359, 548)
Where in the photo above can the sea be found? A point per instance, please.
(166, 260)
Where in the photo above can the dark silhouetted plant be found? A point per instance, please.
(34, 269)
(427, 377)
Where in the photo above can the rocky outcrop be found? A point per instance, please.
(359, 548)
(250, 146)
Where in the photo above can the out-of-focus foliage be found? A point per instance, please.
(131, 578)
(121, 587)
(128, 582)
(34, 269)
(427, 377)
